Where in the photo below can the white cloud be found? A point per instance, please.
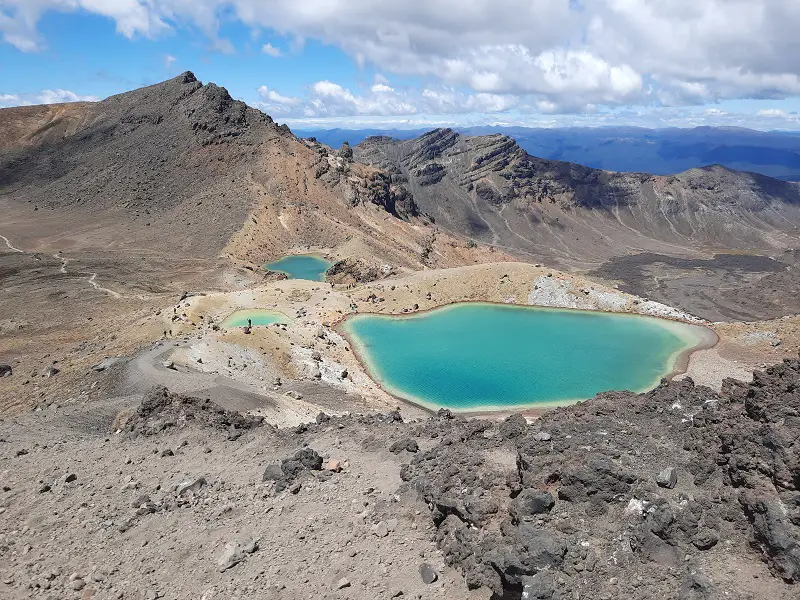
(273, 96)
(44, 97)
(58, 96)
(274, 103)
(7, 100)
(169, 60)
(328, 99)
(271, 50)
(557, 54)
(380, 88)
(773, 113)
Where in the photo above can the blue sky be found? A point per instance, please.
(364, 63)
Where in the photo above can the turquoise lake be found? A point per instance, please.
(301, 266)
(477, 356)
(258, 317)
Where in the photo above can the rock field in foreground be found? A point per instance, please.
(677, 493)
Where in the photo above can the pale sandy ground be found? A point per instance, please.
(310, 348)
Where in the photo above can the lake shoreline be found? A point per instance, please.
(320, 276)
(706, 339)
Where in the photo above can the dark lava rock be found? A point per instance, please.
(390, 417)
(530, 503)
(539, 587)
(6, 370)
(291, 468)
(309, 459)
(428, 573)
(160, 409)
(513, 427)
(497, 520)
(705, 539)
(444, 414)
(407, 444)
(272, 473)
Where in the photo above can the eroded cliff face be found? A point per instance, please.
(361, 184)
(489, 189)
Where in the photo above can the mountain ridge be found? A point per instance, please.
(489, 189)
(662, 151)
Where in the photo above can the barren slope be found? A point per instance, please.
(488, 188)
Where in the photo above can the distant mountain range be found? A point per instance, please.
(630, 149)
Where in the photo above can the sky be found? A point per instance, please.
(420, 63)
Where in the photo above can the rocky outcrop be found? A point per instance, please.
(377, 188)
(363, 185)
(667, 483)
(161, 409)
(291, 468)
(354, 271)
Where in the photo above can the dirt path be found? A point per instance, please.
(12, 248)
(293, 403)
(98, 287)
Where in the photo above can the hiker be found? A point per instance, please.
(249, 323)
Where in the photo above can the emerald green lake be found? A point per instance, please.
(257, 316)
(301, 266)
(477, 356)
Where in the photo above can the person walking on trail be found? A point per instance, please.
(249, 323)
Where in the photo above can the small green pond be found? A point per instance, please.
(258, 317)
(477, 356)
(301, 266)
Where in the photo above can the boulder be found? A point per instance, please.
(428, 574)
(6, 370)
(231, 556)
(443, 414)
(667, 478)
(272, 473)
(380, 529)
(191, 486)
(309, 459)
(538, 549)
(539, 587)
(529, 503)
(513, 427)
(407, 444)
(705, 539)
(342, 583)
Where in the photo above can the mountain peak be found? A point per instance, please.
(187, 77)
